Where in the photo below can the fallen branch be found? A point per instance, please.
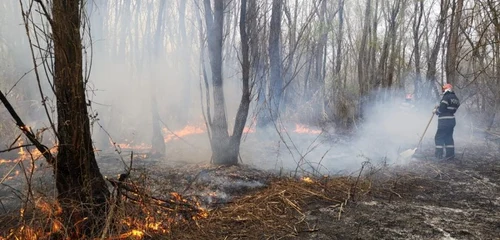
(135, 194)
(42, 148)
(16, 147)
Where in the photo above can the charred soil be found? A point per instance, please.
(420, 199)
(424, 199)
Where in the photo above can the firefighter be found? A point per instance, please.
(446, 123)
(407, 105)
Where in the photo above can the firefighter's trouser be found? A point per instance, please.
(444, 137)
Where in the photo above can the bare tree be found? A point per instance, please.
(275, 87)
(363, 57)
(452, 47)
(158, 148)
(418, 12)
(433, 55)
(225, 147)
(384, 73)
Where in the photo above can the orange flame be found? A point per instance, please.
(186, 131)
(299, 128)
(307, 180)
(136, 234)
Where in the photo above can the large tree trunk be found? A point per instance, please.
(225, 148)
(82, 191)
(221, 151)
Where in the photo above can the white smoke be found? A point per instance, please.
(389, 128)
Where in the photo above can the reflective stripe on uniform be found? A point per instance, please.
(446, 117)
(445, 102)
(451, 108)
(450, 146)
(439, 147)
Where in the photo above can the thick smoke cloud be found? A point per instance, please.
(389, 127)
(125, 78)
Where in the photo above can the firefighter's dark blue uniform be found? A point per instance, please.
(446, 123)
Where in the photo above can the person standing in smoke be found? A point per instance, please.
(446, 123)
(407, 105)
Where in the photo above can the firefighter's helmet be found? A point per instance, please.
(447, 87)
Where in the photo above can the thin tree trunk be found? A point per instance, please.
(157, 142)
(432, 61)
(242, 113)
(363, 57)
(371, 64)
(185, 53)
(452, 48)
(276, 80)
(340, 38)
(395, 47)
(417, 20)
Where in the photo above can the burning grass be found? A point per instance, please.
(275, 212)
(133, 214)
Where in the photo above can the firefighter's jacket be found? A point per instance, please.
(448, 106)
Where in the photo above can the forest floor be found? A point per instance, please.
(422, 199)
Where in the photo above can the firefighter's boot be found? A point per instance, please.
(439, 152)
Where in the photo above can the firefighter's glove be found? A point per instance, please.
(434, 110)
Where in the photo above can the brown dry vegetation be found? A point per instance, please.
(421, 200)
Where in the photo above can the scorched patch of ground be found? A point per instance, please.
(421, 200)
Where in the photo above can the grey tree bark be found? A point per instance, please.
(225, 148)
(452, 47)
(431, 77)
(275, 92)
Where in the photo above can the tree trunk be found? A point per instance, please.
(432, 61)
(242, 113)
(373, 47)
(221, 150)
(275, 63)
(363, 56)
(185, 60)
(384, 74)
(340, 39)
(452, 48)
(399, 9)
(158, 148)
(225, 148)
(82, 191)
(417, 20)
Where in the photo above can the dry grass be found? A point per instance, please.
(276, 212)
